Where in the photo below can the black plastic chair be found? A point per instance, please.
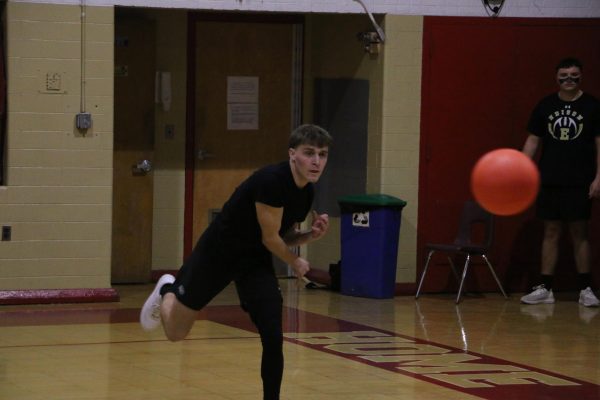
(472, 214)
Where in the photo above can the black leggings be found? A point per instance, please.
(260, 297)
(267, 318)
(208, 271)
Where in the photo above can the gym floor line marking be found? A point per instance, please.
(473, 373)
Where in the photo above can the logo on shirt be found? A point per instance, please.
(565, 124)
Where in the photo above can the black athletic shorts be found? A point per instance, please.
(564, 203)
(210, 269)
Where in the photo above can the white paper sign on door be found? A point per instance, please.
(242, 116)
(242, 102)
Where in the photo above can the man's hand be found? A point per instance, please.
(300, 267)
(320, 224)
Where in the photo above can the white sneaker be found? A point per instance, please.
(539, 295)
(587, 298)
(150, 314)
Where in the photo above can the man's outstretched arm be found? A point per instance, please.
(269, 219)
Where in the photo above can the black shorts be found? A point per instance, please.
(210, 269)
(564, 203)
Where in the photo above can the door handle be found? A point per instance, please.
(142, 168)
(203, 155)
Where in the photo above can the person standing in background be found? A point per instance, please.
(566, 126)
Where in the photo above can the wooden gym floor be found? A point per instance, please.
(337, 347)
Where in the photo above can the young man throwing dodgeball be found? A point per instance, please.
(260, 219)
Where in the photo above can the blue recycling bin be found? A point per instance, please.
(370, 229)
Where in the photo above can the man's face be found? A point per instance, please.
(309, 161)
(568, 79)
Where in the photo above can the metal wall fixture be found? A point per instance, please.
(372, 40)
(493, 7)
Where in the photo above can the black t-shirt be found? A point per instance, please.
(567, 130)
(237, 226)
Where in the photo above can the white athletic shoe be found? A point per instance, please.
(587, 298)
(150, 314)
(539, 295)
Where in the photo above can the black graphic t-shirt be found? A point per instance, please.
(237, 225)
(567, 130)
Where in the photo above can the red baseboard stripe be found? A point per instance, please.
(55, 296)
(405, 289)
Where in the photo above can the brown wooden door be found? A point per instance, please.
(133, 143)
(225, 156)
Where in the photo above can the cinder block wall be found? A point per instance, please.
(397, 159)
(58, 197)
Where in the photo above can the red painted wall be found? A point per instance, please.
(481, 79)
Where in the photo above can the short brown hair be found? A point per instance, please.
(568, 63)
(310, 134)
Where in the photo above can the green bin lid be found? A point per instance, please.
(372, 200)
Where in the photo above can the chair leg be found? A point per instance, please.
(424, 272)
(454, 271)
(462, 280)
(494, 275)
